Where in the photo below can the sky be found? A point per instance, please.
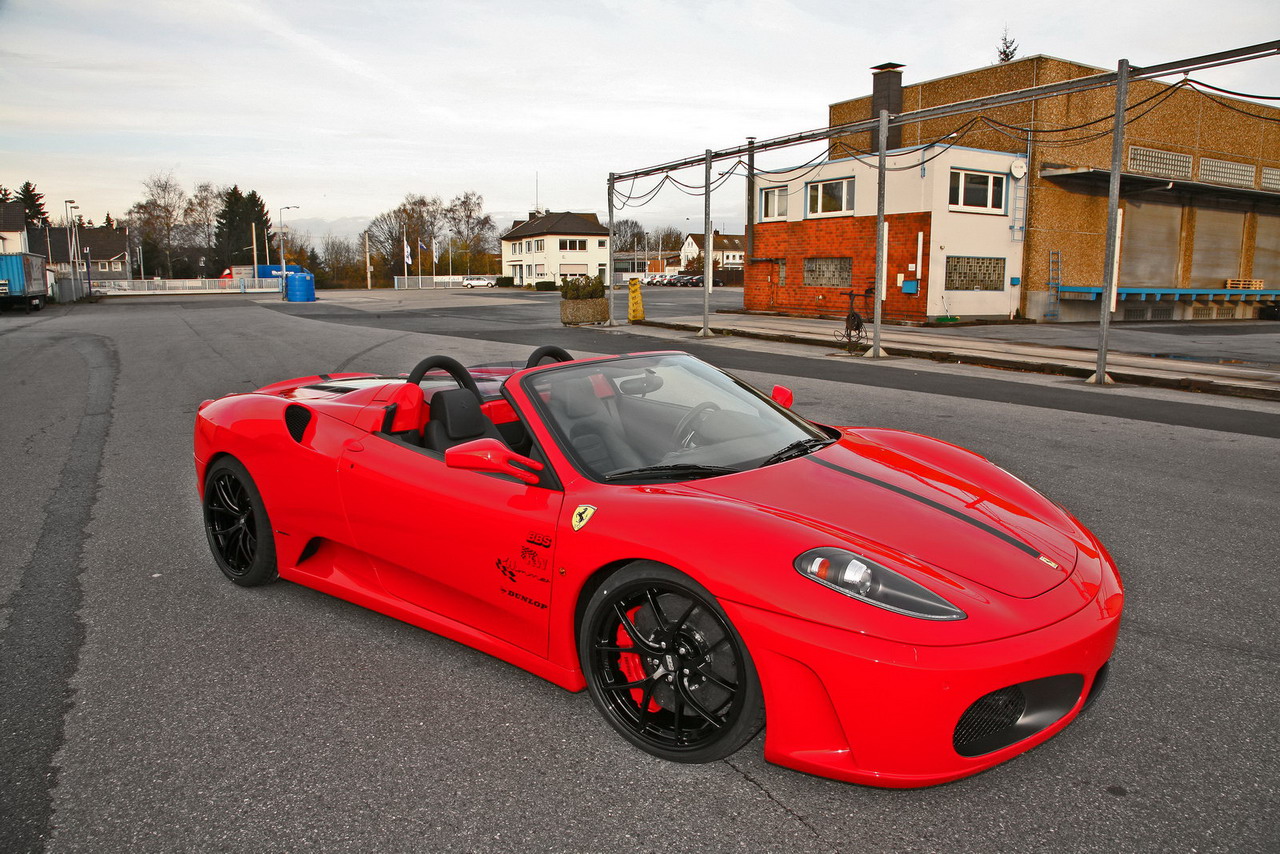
(341, 107)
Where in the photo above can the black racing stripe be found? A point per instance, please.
(950, 511)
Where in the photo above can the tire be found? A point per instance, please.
(691, 692)
(236, 525)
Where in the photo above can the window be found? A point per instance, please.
(828, 272)
(539, 246)
(573, 245)
(773, 203)
(976, 191)
(80, 265)
(831, 197)
(528, 246)
(974, 274)
(528, 269)
(515, 247)
(103, 266)
(540, 269)
(115, 266)
(601, 244)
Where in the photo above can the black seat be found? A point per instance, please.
(456, 418)
(599, 442)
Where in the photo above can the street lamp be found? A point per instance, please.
(73, 234)
(66, 212)
(284, 265)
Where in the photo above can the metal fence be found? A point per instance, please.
(124, 287)
(413, 283)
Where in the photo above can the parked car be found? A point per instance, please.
(681, 281)
(683, 546)
(698, 281)
(476, 282)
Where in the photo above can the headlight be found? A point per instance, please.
(868, 581)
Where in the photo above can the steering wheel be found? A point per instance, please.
(451, 366)
(559, 354)
(688, 426)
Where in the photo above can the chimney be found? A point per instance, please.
(886, 94)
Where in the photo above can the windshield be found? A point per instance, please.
(647, 419)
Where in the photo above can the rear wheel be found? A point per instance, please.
(666, 668)
(236, 525)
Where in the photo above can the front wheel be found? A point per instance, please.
(666, 668)
(236, 525)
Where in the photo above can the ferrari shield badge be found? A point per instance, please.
(582, 516)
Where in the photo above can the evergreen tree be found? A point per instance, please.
(6, 195)
(1008, 47)
(234, 229)
(108, 222)
(33, 201)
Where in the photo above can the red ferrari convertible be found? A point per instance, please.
(696, 555)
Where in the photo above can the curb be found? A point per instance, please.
(1120, 375)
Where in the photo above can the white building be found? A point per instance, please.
(555, 246)
(954, 220)
(727, 250)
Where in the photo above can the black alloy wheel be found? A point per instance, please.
(666, 668)
(236, 525)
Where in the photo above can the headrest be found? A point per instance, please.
(458, 411)
(577, 398)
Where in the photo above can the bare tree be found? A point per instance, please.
(158, 217)
(200, 215)
(341, 262)
(668, 238)
(473, 229)
(628, 235)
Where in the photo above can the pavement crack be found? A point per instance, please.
(788, 810)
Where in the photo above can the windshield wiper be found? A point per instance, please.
(797, 449)
(679, 470)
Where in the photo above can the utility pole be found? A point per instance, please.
(875, 352)
(608, 273)
(708, 250)
(368, 268)
(1111, 262)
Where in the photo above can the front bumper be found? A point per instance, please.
(856, 708)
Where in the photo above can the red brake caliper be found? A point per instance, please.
(631, 666)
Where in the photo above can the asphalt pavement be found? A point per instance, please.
(147, 704)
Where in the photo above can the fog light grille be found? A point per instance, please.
(989, 715)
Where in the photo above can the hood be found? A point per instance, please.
(923, 498)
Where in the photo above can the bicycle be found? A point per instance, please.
(854, 333)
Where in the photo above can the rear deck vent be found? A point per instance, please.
(296, 419)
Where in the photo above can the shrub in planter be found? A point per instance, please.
(505, 281)
(544, 286)
(582, 288)
(583, 301)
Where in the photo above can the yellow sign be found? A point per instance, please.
(635, 305)
(582, 516)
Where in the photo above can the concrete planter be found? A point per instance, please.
(576, 311)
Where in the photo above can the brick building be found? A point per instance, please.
(1200, 207)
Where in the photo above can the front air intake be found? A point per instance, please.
(1006, 716)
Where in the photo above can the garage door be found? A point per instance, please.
(1149, 248)
(1266, 252)
(1216, 255)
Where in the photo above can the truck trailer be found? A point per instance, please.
(23, 281)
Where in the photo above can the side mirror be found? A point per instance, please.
(492, 456)
(782, 396)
